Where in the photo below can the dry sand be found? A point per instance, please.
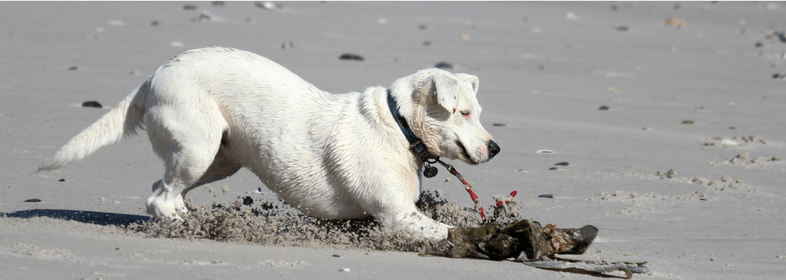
(663, 120)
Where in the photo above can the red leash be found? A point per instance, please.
(472, 194)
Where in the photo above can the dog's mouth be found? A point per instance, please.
(464, 152)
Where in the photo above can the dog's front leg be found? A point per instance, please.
(416, 223)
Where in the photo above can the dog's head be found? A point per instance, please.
(441, 108)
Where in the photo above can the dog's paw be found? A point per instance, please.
(165, 211)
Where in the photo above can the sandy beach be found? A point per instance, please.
(660, 123)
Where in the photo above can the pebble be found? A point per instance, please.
(546, 196)
(498, 124)
(443, 65)
(204, 16)
(350, 56)
(344, 270)
(675, 22)
(604, 108)
(116, 22)
(248, 200)
(688, 122)
(92, 104)
(288, 45)
(781, 36)
(564, 163)
(336, 256)
(267, 5)
(671, 174)
(779, 76)
(189, 7)
(621, 28)
(72, 68)
(257, 191)
(61, 180)
(545, 152)
(33, 200)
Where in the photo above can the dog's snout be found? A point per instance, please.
(493, 148)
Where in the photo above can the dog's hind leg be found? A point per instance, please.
(187, 141)
(222, 167)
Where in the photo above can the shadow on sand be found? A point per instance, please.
(89, 217)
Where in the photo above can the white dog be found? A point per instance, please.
(209, 112)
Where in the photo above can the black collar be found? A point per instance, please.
(415, 144)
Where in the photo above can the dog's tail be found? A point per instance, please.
(122, 120)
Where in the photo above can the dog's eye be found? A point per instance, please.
(465, 114)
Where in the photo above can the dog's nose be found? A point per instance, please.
(493, 148)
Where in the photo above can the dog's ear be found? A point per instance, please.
(446, 91)
(434, 85)
(472, 79)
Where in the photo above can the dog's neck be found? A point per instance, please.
(415, 144)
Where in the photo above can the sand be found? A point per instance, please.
(662, 122)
